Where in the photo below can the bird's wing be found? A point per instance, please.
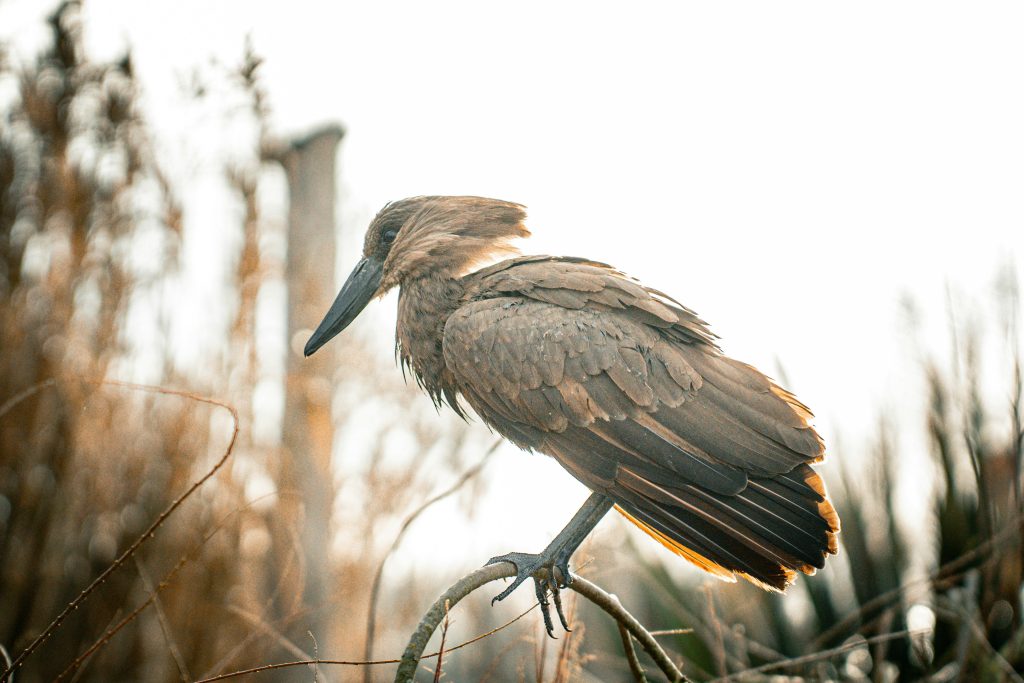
(532, 368)
(628, 391)
(635, 353)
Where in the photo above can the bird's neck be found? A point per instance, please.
(424, 305)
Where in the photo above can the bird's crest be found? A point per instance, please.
(442, 236)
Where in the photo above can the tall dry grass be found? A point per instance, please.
(86, 467)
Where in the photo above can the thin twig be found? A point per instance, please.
(145, 536)
(440, 650)
(818, 656)
(371, 621)
(295, 663)
(338, 662)
(466, 585)
(500, 655)
(247, 641)
(165, 624)
(627, 648)
(483, 635)
(164, 583)
(281, 639)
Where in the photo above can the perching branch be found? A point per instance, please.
(466, 585)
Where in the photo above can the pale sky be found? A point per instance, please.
(790, 170)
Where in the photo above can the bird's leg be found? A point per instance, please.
(555, 557)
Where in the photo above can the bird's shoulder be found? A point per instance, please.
(577, 283)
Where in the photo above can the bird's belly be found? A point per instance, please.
(562, 446)
(578, 450)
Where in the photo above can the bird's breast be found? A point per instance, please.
(423, 309)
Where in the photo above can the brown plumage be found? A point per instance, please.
(622, 385)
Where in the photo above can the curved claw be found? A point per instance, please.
(528, 566)
(557, 595)
(561, 563)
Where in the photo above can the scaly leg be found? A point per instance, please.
(555, 557)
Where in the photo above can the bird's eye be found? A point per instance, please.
(388, 236)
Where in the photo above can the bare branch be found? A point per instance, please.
(634, 663)
(466, 585)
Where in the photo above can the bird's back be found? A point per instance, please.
(628, 390)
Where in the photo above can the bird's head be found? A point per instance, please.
(421, 237)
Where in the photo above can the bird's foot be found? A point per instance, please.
(549, 573)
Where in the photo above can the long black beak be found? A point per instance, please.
(357, 291)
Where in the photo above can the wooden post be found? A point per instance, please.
(309, 164)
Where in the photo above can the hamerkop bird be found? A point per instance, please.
(622, 385)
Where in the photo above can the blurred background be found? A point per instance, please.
(836, 189)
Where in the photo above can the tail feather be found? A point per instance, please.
(689, 536)
(766, 533)
(692, 555)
